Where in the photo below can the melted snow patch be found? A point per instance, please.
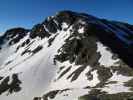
(106, 56)
(95, 80)
(81, 82)
(81, 30)
(64, 83)
(119, 86)
(73, 94)
(64, 25)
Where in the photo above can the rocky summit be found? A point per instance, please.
(69, 56)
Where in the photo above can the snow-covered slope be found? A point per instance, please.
(69, 56)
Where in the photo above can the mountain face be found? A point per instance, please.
(69, 56)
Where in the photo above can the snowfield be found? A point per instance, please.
(64, 59)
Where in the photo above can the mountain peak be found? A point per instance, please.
(68, 56)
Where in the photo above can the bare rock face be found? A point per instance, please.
(69, 56)
(13, 86)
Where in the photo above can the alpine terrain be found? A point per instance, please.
(69, 56)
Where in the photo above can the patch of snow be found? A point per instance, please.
(46, 28)
(35, 71)
(95, 80)
(82, 22)
(63, 82)
(56, 22)
(64, 25)
(73, 94)
(106, 56)
(119, 86)
(120, 78)
(80, 82)
(81, 30)
(8, 52)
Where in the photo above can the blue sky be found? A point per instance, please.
(26, 13)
